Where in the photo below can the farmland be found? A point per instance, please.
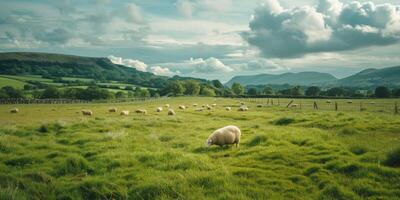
(52, 151)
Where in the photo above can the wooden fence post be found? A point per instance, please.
(272, 102)
(287, 106)
(336, 106)
(396, 109)
(315, 105)
(361, 106)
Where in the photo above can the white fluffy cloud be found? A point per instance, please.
(185, 7)
(139, 65)
(162, 71)
(330, 26)
(209, 65)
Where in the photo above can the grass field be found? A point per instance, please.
(11, 82)
(52, 151)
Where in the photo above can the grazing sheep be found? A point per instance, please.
(182, 107)
(208, 107)
(242, 103)
(141, 111)
(349, 101)
(195, 105)
(259, 106)
(225, 136)
(14, 110)
(125, 112)
(167, 105)
(112, 110)
(159, 109)
(199, 109)
(294, 105)
(214, 104)
(87, 112)
(203, 106)
(171, 112)
(228, 108)
(243, 108)
(328, 101)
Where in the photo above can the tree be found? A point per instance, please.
(313, 91)
(252, 92)
(396, 92)
(268, 90)
(120, 95)
(175, 87)
(382, 92)
(297, 91)
(10, 92)
(217, 84)
(237, 88)
(128, 87)
(51, 92)
(207, 91)
(192, 87)
(335, 92)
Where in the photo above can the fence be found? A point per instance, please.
(74, 101)
(376, 105)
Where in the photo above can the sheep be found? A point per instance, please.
(242, 103)
(159, 109)
(328, 101)
(112, 110)
(259, 106)
(195, 105)
(141, 111)
(14, 110)
(203, 106)
(243, 108)
(199, 109)
(125, 112)
(208, 107)
(228, 108)
(167, 105)
(87, 112)
(171, 112)
(182, 107)
(225, 136)
(349, 101)
(214, 104)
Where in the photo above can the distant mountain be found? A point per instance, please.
(373, 77)
(301, 78)
(58, 65)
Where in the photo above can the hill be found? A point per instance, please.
(58, 65)
(373, 77)
(301, 78)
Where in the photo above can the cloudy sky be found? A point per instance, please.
(214, 39)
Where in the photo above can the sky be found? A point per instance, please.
(212, 39)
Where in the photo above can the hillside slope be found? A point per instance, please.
(373, 77)
(58, 65)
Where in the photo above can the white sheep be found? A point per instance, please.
(243, 108)
(349, 101)
(214, 104)
(199, 109)
(159, 109)
(14, 110)
(195, 105)
(228, 108)
(208, 107)
(182, 107)
(87, 112)
(167, 105)
(125, 112)
(225, 136)
(242, 103)
(141, 111)
(171, 112)
(112, 110)
(328, 101)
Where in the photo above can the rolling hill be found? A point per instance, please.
(373, 77)
(57, 65)
(301, 78)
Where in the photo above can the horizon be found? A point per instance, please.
(211, 39)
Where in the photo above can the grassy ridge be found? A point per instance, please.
(11, 82)
(51, 151)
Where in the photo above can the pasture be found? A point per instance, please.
(54, 152)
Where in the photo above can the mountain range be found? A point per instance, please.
(58, 65)
(367, 78)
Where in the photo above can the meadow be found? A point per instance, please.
(53, 152)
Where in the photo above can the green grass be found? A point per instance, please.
(11, 82)
(29, 78)
(53, 152)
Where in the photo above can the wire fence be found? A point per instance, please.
(375, 105)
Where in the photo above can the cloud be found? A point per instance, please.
(330, 26)
(259, 64)
(185, 8)
(163, 71)
(139, 65)
(209, 65)
(131, 12)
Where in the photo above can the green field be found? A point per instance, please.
(11, 82)
(29, 78)
(53, 152)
